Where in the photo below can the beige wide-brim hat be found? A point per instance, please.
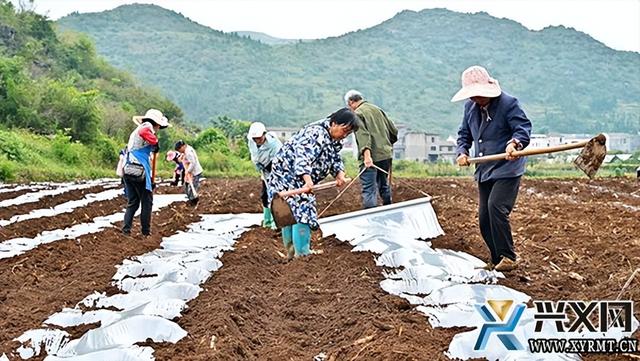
(155, 115)
(476, 82)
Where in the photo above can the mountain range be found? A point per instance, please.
(410, 65)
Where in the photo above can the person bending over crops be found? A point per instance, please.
(304, 160)
(137, 168)
(178, 171)
(493, 123)
(193, 171)
(263, 146)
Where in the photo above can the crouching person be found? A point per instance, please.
(306, 159)
(192, 171)
(137, 168)
(178, 171)
(263, 147)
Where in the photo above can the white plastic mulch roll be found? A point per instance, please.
(447, 286)
(155, 289)
(64, 207)
(63, 188)
(6, 188)
(17, 246)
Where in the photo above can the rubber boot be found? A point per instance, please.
(267, 218)
(287, 240)
(301, 239)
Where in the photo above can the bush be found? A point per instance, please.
(72, 109)
(11, 147)
(107, 149)
(7, 171)
(65, 150)
(212, 140)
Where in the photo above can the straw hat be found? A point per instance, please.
(154, 115)
(476, 82)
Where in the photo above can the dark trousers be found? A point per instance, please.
(137, 194)
(264, 196)
(497, 198)
(374, 181)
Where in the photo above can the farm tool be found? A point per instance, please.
(417, 214)
(153, 168)
(280, 209)
(589, 160)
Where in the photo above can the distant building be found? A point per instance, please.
(423, 146)
(283, 133)
(623, 142)
(544, 140)
(617, 158)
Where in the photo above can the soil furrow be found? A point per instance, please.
(32, 227)
(48, 201)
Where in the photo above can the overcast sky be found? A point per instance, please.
(613, 22)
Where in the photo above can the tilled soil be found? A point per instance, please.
(32, 227)
(42, 281)
(578, 239)
(47, 202)
(330, 303)
(15, 194)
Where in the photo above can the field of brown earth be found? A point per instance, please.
(578, 240)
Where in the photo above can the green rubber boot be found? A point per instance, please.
(287, 240)
(301, 239)
(267, 219)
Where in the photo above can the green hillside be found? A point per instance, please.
(410, 65)
(266, 38)
(65, 113)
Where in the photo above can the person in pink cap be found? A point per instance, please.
(178, 172)
(493, 123)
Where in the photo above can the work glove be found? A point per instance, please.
(155, 148)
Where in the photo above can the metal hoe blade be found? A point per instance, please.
(592, 156)
(281, 212)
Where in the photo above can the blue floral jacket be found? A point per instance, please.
(311, 151)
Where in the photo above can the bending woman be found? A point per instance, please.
(306, 159)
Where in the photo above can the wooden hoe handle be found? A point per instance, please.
(529, 151)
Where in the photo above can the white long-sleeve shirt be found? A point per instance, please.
(192, 165)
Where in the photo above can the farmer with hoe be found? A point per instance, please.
(138, 171)
(493, 123)
(192, 169)
(263, 146)
(306, 159)
(375, 138)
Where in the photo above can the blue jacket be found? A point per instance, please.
(506, 121)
